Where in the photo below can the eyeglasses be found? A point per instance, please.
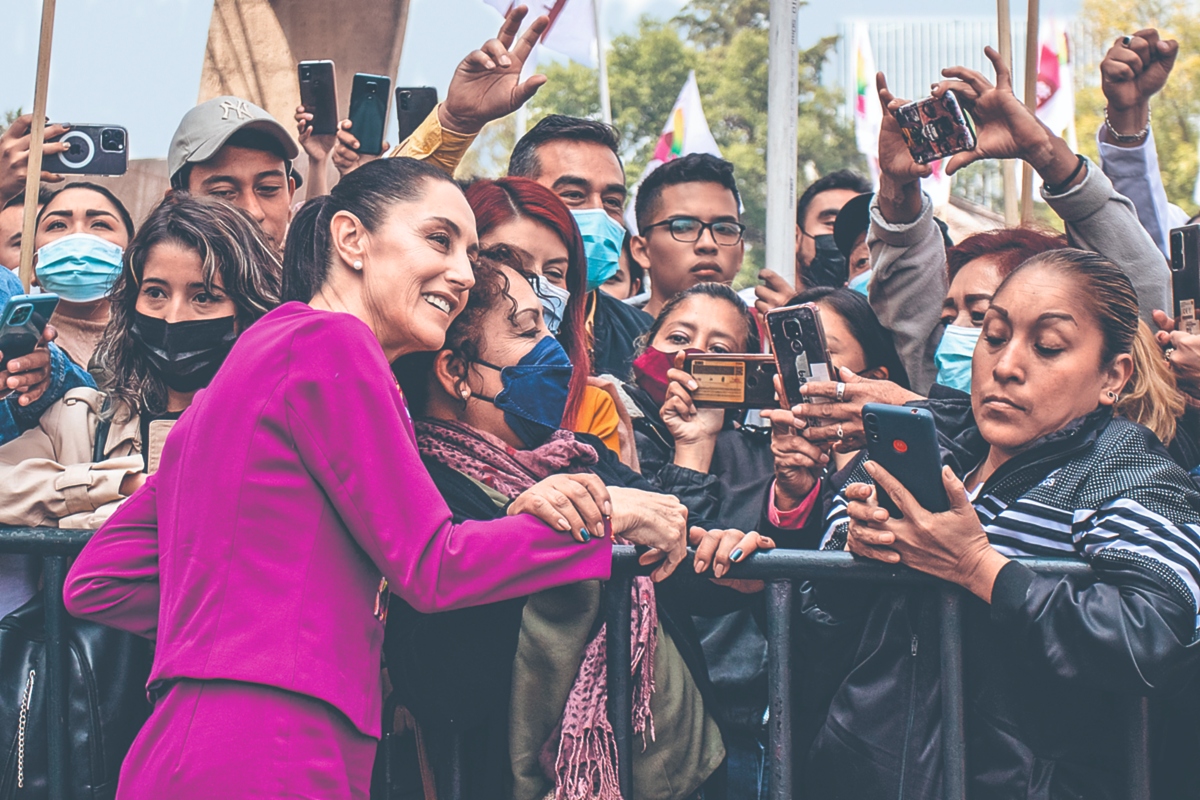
(689, 230)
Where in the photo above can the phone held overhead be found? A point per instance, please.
(903, 440)
(413, 105)
(935, 128)
(94, 150)
(368, 111)
(318, 95)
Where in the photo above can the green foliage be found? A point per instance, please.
(726, 43)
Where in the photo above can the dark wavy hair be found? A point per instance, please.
(232, 250)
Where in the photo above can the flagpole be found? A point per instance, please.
(602, 60)
(1032, 53)
(783, 98)
(36, 135)
(1012, 211)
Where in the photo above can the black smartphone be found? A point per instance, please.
(94, 150)
(801, 354)
(368, 111)
(22, 321)
(935, 127)
(413, 105)
(730, 380)
(904, 441)
(1185, 276)
(318, 95)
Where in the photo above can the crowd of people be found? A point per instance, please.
(357, 463)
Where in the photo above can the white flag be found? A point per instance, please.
(1056, 79)
(572, 30)
(685, 132)
(868, 114)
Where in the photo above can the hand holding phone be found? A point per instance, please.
(368, 111)
(318, 95)
(903, 440)
(22, 326)
(730, 380)
(935, 127)
(90, 150)
(1185, 276)
(801, 352)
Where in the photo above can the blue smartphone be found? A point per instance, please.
(22, 321)
(368, 111)
(903, 440)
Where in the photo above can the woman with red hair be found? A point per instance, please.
(529, 221)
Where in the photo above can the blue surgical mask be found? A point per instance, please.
(860, 282)
(602, 240)
(79, 268)
(554, 302)
(953, 356)
(534, 397)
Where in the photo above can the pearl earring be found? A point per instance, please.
(466, 392)
(357, 265)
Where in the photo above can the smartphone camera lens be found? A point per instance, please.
(305, 73)
(20, 315)
(112, 140)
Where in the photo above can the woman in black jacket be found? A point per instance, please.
(1046, 470)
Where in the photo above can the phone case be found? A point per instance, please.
(1185, 275)
(22, 321)
(935, 128)
(95, 150)
(368, 111)
(731, 380)
(904, 441)
(413, 105)
(801, 354)
(318, 95)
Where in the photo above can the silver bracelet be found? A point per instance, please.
(1123, 138)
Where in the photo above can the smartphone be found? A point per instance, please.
(95, 150)
(903, 440)
(730, 380)
(413, 105)
(368, 111)
(801, 354)
(1185, 276)
(318, 95)
(935, 127)
(22, 321)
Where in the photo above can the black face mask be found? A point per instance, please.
(828, 267)
(186, 354)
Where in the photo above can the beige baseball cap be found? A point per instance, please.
(206, 128)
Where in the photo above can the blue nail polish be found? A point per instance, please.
(735, 555)
(587, 537)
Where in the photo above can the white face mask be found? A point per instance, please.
(554, 302)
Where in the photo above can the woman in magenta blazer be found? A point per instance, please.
(290, 498)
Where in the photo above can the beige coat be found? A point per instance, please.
(47, 476)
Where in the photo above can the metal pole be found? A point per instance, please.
(1012, 212)
(602, 61)
(783, 98)
(54, 574)
(456, 767)
(779, 688)
(618, 617)
(1031, 72)
(954, 745)
(1138, 747)
(36, 134)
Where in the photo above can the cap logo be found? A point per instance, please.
(240, 108)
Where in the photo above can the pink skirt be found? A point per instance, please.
(231, 739)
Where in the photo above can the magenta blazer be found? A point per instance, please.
(287, 491)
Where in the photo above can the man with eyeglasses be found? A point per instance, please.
(689, 221)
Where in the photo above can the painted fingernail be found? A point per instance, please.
(587, 537)
(736, 555)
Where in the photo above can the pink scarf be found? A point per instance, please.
(585, 764)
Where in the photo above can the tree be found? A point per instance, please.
(1176, 109)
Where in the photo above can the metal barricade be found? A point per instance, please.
(780, 568)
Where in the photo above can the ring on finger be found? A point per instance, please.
(1170, 351)
(840, 433)
(841, 392)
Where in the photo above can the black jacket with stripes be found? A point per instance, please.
(1052, 665)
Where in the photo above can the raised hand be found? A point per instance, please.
(694, 429)
(14, 155)
(487, 84)
(1134, 70)
(317, 147)
(798, 462)
(345, 150)
(899, 175)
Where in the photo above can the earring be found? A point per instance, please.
(357, 265)
(466, 392)
(1112, 396)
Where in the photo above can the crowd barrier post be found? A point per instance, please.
(779, 688)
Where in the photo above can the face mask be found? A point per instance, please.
(534, 396)
(186, 354)
(602, 240)
(650, 372)
(953, 357)
(859, 283)
(828, 267)
(79, 268)
(554, 302)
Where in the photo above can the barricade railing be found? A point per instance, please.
(55, 546)
(781, 569)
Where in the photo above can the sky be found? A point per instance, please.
(140, 66)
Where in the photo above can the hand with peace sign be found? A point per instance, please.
(952, 545)
(1134, 70)
(487, 84)
(1005, 127)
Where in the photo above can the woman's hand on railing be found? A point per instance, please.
(722, 548)
(576, 503)
(835, 421)
(952, 545)
(694, 429)
(657, 521)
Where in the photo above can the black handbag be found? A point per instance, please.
(106, 701)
